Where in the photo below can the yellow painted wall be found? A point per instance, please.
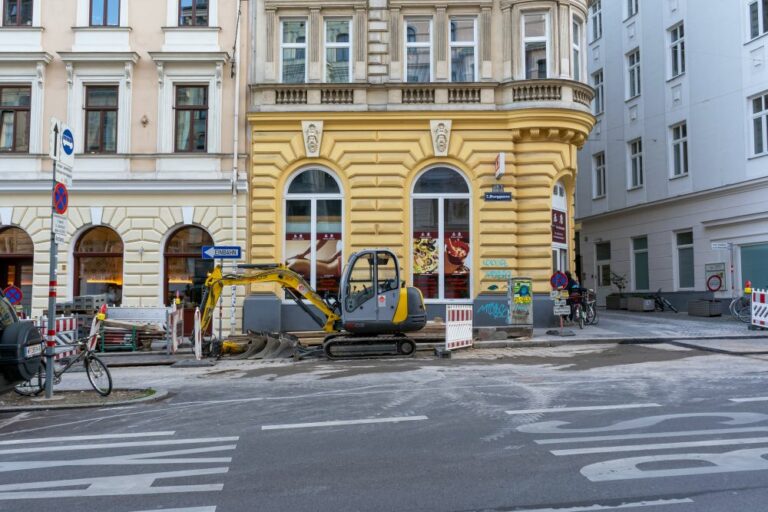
(377, 157)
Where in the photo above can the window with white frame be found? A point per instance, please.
(535, 45)
(680, 149)
(463, 49)
(598, 104)
(758, 18)
(596, 19)
(632, 7)
(685, 273)
(760, 125)
(677, 50)
(598, 164)
(640, 269)
(576, 25)
(418, 50)
(293, 51)
(636, 164)
(338, 51)
(633, 72)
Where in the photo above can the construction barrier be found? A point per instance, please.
(760, 308)
(67, 333)
(66, 329)
(458, 327)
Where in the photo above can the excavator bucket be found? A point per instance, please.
(263, 345)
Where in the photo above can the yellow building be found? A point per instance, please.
(455, 147)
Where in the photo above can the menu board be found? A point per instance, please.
(558, 227)
(328, 266)
(298, 249)
(426, 260)
(456, 271)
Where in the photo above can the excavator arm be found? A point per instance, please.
(293, 283)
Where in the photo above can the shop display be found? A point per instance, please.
(426, 259)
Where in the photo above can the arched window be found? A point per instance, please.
(313, 229)
(560, 260)
(16, 263)
(442, 238)
(99, 264)
(185, 270)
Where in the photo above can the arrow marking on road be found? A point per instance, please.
(343, 422)
(573, 409)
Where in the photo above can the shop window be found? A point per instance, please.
(16, 261)
(101, 119)
(185, 270)
(17, 13)
(560, 258)
(535, 45)
(193, 13)
(293, 51)
(191, 118)
(418, 50)
(313, 230)
(99, 264)
(442, 235)
(14, 119)
(105, 13)
(338, 47)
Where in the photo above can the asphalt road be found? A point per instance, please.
(598, 427)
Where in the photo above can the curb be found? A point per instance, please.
(159, 394)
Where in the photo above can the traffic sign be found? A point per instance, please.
(714, 283)
(64, 175)
(53, 141)
(59, 227)
(13, 294)
(61, 144)
(559, 280)
(60, 198)
(561, 310)
(222, 252)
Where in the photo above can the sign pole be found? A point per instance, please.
(52, 284)
(221, 303)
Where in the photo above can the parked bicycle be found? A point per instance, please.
(590, 307)
(741, 307)
(578, 311)
(661, 303)
(97, 372)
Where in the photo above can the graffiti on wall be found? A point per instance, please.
(497, 270)
(495, 310)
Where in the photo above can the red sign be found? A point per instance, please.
(60, 198)
(714, 283)
(558, 227)
(13, 294)
(559, 281)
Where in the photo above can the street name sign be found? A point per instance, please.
(720, 245)
(222, 252)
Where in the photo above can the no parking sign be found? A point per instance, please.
(14, 295)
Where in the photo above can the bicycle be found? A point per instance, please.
(661, 303)
(590, 307)
(97, 372)
(741, 308)
(579, 313)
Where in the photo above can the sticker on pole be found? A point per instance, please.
(559, 281)
(13, 294)
(60, 198)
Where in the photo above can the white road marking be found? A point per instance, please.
(85, 438)
(750, 399)
(78, 447)
(624, 437)
(590, 508)
(572, 409)
(10, 421)
(193, 509)
(343, 422)
(661, 446)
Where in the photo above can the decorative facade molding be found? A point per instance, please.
(313, 137)
(441, 136)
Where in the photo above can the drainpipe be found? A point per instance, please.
(235, 153)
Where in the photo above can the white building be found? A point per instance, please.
(677, 165)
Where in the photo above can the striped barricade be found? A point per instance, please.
(760, 308)
(458, 327)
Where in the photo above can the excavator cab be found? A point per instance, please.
(374, 300)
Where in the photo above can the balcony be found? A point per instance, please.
(510, 95)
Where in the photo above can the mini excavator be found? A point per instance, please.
(370, 318)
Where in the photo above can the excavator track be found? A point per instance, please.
(340, 346)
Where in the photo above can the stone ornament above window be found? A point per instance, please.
(441, 136)
(313, 137)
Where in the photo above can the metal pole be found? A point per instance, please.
(235, 156)
(49, 349)
(221, 304)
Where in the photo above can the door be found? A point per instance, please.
(603, 272)
(360, 291)
(387, 286)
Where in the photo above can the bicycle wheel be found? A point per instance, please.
(98, 375)
(580, 316)
(669, 305)
(742, 309)
(592, 314)
(33, 386)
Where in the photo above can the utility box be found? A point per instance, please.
(640, 304)
(520, 298)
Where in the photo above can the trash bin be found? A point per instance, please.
(520, 298)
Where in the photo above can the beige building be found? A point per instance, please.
(147, 88)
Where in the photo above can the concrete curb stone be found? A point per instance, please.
(159, 394)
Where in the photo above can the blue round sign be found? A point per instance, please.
(60, 198)
(67, 142)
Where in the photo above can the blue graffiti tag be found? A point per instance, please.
(495, 310)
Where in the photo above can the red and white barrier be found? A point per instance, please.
(66, 333)
(760, 308)
(458, 327)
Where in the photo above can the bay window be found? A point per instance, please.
(535, 45)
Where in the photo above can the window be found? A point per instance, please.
(105, 13)
(598, 105)
(680, 150)
(677, 50)
(191, 118)
(758, 18)
(17, 13)
(418, 50)
(576, 47)
(596, 18)
(640, 263)
(760, 124)
(99, 264)
(559, 226)
(14, 119)
(338, 49)
(313, 230)
(636, 164)
(185, 270)
(633, 68)
(632, 7)
(535, 45)
(442, 261)
(16, 263)
(463, 49)
(598, 162)
(293, 52)
(603, 257)
(101, 119)
(685, 274)
(193, 13)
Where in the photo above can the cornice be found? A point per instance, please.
(26, 57)
(189, 56)
(99, 56)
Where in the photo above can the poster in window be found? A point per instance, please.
(328, 263)
(558, 227)
(426, 259)
(456, 269)
(298, 253)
